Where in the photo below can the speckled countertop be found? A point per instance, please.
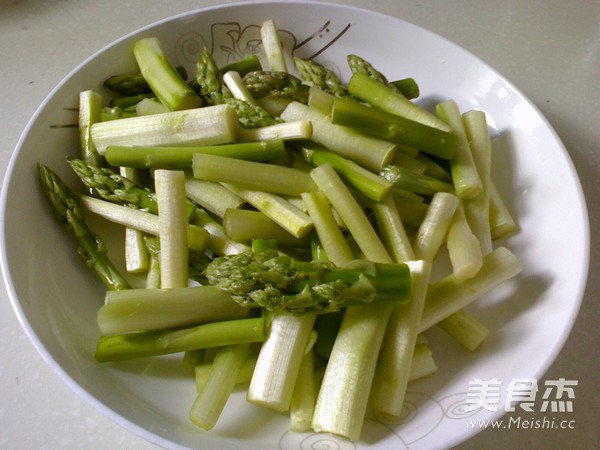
(549, 49)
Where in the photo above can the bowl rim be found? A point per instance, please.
(132, 426)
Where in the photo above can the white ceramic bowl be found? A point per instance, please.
(56, 297)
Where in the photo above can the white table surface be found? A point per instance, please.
(549, 49)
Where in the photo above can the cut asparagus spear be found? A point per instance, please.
(210, 125)
(90, 246)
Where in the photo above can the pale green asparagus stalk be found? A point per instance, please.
(173, 227)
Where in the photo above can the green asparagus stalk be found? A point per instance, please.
(132, 84)
(344, 393)
(118, 347)
(218, 243)
(279, 360)
(210, 401)
(432, 231)
(372, 153)
(330, 236)
(351, 213)
(413, 181)
(154, 309)
(358, 64)
(433, 168)
(248, 63)
(128, 84)
(173, 227)
(137, 257)
(373, 186)
(303, 397)
(273, 47)
(166, 157)
(320, 100)
(116, 188)
(90, 246)
(423, 363)
(502, 223)
(277, 208)
(213, 197)
(236, 86)
(477, 209)
(407, 87)
(209, 78)
(244, 225)
(393, 128)
(252, 175)
(413, 208)
(465, 177)
(449, 294)
(280, 84)
(381, 96)
(162, 78)
(202, 371)
(315, 74)
(251, 115)
(211, 125)
(464, 249)
(90, 105)
(291, 130)
(392, 230)
(397, 350)
(465, 329)
(198, 238)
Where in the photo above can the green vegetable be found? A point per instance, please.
(414, 182)
(277, 208)
(280, 359)
(198, 238)
(272, 46)
(244, 225)
(450, 294)
(118, 347)
(465, 177)
(315, 74)
(282, 84)
(393, 128)
(180, 157)
(132, 84)
(379, 95)
(162, 78)
(373, 186)
(210, 80)
(251, 115)
(226, 368)
(211, 125)
(278, 282)
(104, 183)
(90, 246)
(248, 63)
(173, 227)
(252, 175)
(132, 310)
(370, 152)
(90, 106)
(395, 359)
(212, 196)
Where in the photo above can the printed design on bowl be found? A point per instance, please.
(424, 413)
(231, 41)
